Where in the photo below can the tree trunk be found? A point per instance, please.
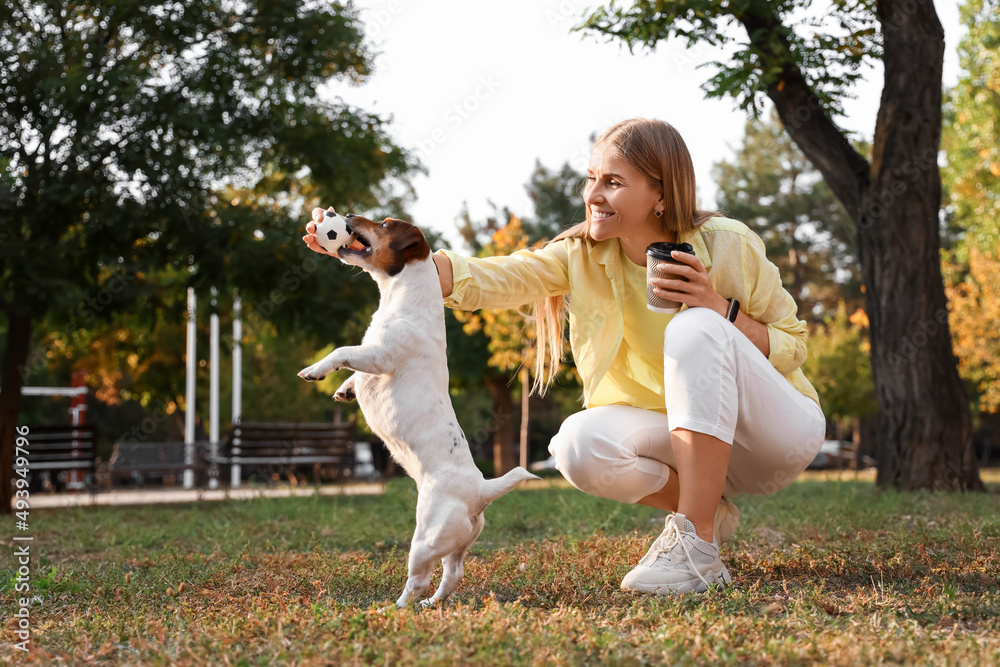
(924, 425)
(868, 434)
(501, 424)
(11, 381)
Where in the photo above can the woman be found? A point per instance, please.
(683, 411)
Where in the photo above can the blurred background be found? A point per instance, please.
(152, 150)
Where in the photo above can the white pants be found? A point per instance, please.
(717, 382)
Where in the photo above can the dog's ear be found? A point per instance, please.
(408, 242)
(406, 237)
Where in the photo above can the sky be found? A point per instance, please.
(482, 90)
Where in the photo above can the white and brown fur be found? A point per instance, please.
(401, 384)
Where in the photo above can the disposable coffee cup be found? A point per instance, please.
(658, 253)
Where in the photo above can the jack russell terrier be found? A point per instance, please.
(401, 384)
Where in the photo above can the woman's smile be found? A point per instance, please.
(621, 202)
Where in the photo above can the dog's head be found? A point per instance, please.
(383, 247)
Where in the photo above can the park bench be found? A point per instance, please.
(272, 448)
(143, 462)
(53, 450)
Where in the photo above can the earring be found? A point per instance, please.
(658, 214)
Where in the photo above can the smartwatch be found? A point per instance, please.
(734, 310)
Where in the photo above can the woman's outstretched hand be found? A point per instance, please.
(310, 237)
(696, 291)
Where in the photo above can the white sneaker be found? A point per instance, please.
(727, 518)
(678, 562)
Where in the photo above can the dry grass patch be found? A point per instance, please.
(829, 571)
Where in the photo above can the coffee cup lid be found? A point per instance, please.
(662, 249)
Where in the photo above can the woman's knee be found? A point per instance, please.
(695, 342)
(585, 459)
(693, 327)
(571, 449)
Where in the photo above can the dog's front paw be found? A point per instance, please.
(312, 374)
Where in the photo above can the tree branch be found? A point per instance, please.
(802, 113)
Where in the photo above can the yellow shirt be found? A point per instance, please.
(593, 273)
(637, 370)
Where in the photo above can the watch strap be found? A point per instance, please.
(734, 310)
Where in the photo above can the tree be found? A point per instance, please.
(804, 66)
(556, 199)
(971, 137)
(772, 187)
(974, 295)
(129, 131)
(971, 140)
(839, 367)
(557, 196)
(508, 332)
(131, 364)
(130, 359)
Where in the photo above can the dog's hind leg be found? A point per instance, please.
(421, 564)
(346, 390)
(454, 569)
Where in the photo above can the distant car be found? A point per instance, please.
(547, 464)
(364, 464)
(834, 454)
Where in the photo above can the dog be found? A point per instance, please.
(400, 381)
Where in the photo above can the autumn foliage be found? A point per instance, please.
(509, 331)
(974, 316)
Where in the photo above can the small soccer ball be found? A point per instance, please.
(331, 230)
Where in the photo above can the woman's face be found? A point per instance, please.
(620, 200)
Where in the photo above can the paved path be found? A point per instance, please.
(145, 496)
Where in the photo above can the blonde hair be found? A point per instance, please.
(656, 150)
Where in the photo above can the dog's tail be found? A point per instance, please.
(492, 489)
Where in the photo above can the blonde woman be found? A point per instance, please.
(682, 411)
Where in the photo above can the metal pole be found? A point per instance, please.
(78, 410)
(213, 387)
(189, 408)
(237, 383)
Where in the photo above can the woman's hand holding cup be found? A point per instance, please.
(676, 276)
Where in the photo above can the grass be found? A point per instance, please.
(828, 571)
